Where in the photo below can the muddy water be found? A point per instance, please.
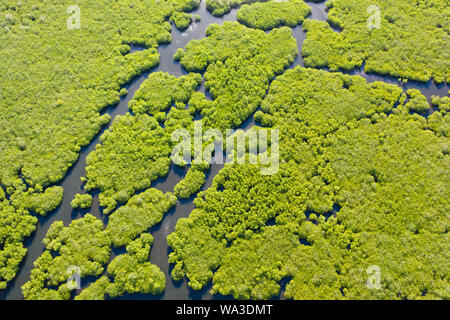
(160, 250)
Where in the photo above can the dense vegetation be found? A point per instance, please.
(220, 7)
(160, 91)
(362, 182)
(130, 273)
(239, 63)
(141, 212)
(81, 201)
(268, 15)
(182, 20)
(82, 244)
(439, 122)
(133, 153)
(363, 177)
(55, 82)
(191, 184)
(136, 150)
(412, 41)
(17, 221)
(86, 245)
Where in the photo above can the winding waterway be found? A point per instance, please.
(159, 252)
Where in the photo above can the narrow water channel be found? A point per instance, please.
(159, 252)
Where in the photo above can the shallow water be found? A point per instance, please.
(159, 251)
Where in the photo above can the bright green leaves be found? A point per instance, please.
(313, 272)
(136, 150)
(142, 212)
(240, 202)
(306, 104)
(220, 7)
(81, 246)
(15, 226)
(81, 201)
(253, 267)
(439, 122)
(38, 202)
(268, 15)
(161, 90)
(17, 223)
(129, 273)
(411, 42)
(196, 253)
(417, 102)
(239, 63)
(134, 277)
(393, 160)
(84, 248)
(182, 20)
(133, 153)
(361, 182)
(96, 290)
(191, 184)
(54, 84)
(324, 47)
(11, 256)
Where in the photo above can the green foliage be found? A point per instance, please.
(55, 83)
(339, 149)
(123, 92)
(133, 153)
(131, 273)
(191, 184)
(136, 150)
(239, 64)
(442, 103)
(314, 269)
(15, 226)
(160, 91)
(439, 122)
(83, 244)
(344, 144)
(324, 101)
(81, 201)
(195, 252)
(198, 102)
(17, 223)
(268, 15)
(182, 20)
(252, 268)
(417, 102)
(96, 290)
(142, 212)
(37, 202)
(62, 115)
(220, 7)
(412, 41)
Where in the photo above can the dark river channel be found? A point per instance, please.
(159, 252)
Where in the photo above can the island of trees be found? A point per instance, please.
(268, 15)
